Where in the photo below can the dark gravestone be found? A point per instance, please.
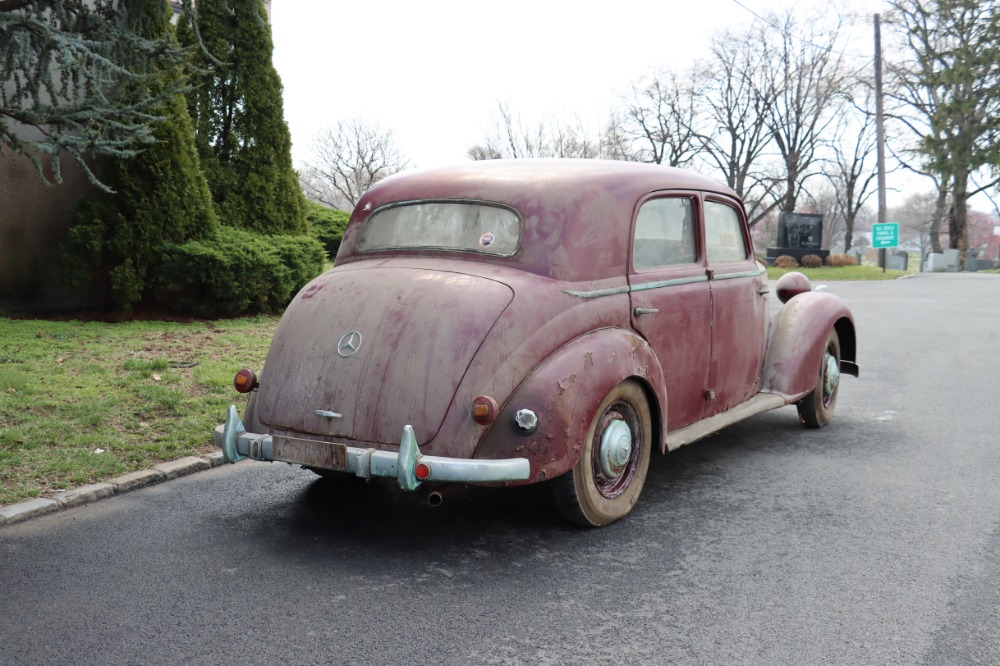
(799, 234)
(899, 261)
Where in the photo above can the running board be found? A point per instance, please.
(762, 402)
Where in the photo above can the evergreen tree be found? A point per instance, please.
(63, 64)
(160, 195)
(243, 140)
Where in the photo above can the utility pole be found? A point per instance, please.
(880, 135)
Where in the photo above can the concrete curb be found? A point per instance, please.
(18, 513)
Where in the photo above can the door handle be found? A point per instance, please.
(642, 311)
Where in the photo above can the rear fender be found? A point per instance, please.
(798, 338)
(565, 391)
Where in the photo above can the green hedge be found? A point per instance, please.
(327, 225)
(237, 271)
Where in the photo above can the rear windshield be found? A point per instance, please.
(443, 225)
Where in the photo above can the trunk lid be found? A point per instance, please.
(384, 347)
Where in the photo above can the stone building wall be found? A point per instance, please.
(34, 218)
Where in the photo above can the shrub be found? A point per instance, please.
(327, 225)
(786, 261)
(157, 196)
(839, 260)
(237, 271)
(811, 261)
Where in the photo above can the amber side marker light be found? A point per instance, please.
(245, 381)
(484, 410)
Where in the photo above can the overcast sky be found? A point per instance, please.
(433, 70)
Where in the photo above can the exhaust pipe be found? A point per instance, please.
(436, 497)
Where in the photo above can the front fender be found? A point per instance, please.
(565, 391)
(798, 338)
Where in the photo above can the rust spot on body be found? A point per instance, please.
(312, 290)
(565, 383)
(635, 344)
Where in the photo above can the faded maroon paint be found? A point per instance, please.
(680, 334)
(565, 391)
(739, 323)
(739, 312)
(420, 330)
(794, 353)
(790, 285)
(541, 318)
(577, 213)
(441, 328)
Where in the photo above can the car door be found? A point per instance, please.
(670, 299)
(739, 306)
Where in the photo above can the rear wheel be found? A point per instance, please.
(606, 482)
(816, 409)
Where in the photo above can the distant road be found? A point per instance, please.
(875, 540)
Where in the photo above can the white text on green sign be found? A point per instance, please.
(885, 235)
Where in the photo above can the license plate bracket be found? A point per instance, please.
(311, 453)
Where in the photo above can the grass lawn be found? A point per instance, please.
(85, 401)
(838, 273)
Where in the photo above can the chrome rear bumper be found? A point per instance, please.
(236, 443)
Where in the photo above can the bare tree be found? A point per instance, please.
(825, 200)
(916, 217)
(347, 160)
(913, 106)
(615, 143)
(807, 70)
(659, 119)
(852, 170)
(737, 95)
(510, 138)
(568, 141)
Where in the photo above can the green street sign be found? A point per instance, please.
(885, 235)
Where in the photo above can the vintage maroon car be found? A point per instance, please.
(513, 322)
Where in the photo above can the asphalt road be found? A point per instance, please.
(875, 540)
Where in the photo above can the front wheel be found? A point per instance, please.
(606, 482)
(816, 409)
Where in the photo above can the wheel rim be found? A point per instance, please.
(831, 377)
(615, 450)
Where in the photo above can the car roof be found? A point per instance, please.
(577, 213)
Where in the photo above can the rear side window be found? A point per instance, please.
(664, 233)
(443, 225)
(723, 233)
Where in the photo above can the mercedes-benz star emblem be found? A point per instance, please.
(349, 344)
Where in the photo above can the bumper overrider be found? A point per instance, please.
(409, 467)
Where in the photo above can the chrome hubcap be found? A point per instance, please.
(831, 377)
(616, 449)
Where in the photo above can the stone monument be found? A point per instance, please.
(799, 234)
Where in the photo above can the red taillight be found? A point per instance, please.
(422, 471)
(245, 381)
(484, 410)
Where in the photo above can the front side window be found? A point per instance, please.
(723, 233)
(664, 233)
(443, 225)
